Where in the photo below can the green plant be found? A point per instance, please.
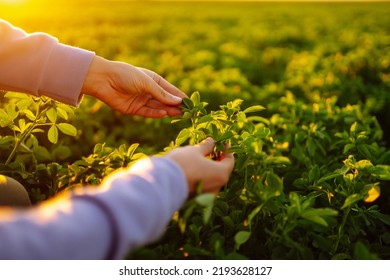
(23, 120)
(288, 197)
(91, 170)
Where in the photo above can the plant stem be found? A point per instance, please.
(27, 132)
(19, 141)
(341, 228)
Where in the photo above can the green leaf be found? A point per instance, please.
(300, 136)
(314, 173)
(16, 95)
(317, 215)
(363, 164)
(207, 213)
(131, 150)
(22, 125)
(98, 148)
(24, 103)
(262, 132)
(37, 130)
(41, 153)
(66, 108)
(381, 172)
(227, 135)
(183, 136)
(380, 216)
(353, 128)
(253, 109)
(227, 220)
(52, 115)
(52, 135)
(204, 119)
(295, 202)
(241, 117)
(328, 177)
(348, 147)
(195, 98)
(62, 113)
(311, 147)
(279, 160)
(361, 252)
(11, 111)
(307, 202)
(323, 135)
(274, 184)
(258, 119)
(241, 237)
(236, 150)
(235, 104)
(315, 219)
(214, 131)
(6, 140)
(67, 129)
(4, 119)
(30, 115)
(188, 103)
(205, 199)
(353, 198)
(363, 149)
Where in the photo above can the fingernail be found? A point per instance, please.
(210, 140)
(176, 98)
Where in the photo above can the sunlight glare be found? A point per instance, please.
(12, 2)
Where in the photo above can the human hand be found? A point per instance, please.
(196, 167)
(132, 90)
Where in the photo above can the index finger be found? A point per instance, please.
(170, 88)
(164, 84)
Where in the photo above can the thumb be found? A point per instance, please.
(206, 146)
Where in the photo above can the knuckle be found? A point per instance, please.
(157, 78)
(163, 93)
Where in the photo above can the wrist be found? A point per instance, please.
(96, 78)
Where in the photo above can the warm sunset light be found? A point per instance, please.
(12, 2)
(106, 107)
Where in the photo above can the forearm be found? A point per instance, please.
(38, 64)
(130, 209)
(143, 201)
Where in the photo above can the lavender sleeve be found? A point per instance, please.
(130, 209)
(38, 64)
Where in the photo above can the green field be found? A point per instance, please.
(321, 70)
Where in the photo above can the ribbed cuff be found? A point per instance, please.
(65, 73)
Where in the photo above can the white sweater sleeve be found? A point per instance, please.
(130, 209)
(38, 64)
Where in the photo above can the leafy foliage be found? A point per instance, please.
(304, 198)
